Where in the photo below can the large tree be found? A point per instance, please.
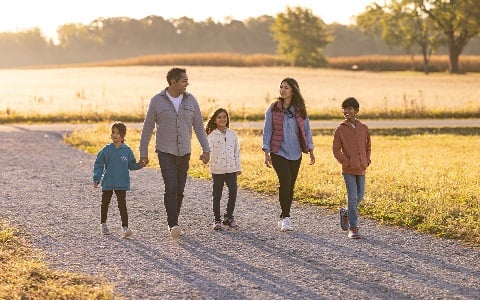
(459, 20)
(402, 23)
(301, 36)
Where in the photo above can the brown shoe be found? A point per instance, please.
(353, 233)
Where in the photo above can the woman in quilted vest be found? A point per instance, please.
(286, 135)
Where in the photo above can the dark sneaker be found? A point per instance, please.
(230, 223)
(353, 233)
(343, 218)
(217, 225)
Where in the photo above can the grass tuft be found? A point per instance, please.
(24, 275)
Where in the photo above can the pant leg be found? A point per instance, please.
(294, 167)
(281, 167)
(122, 206)
(352, 199)
(174, 172)
(106, 197)
(169, 173)
(183, 163)
(218, 182)
(360, 188)
(231, 180)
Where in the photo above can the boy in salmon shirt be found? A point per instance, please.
(352, 148)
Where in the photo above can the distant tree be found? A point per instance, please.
(402, 23)
(301, 36)
(459, 20)
(260, 34)
(24, 48)
(78, 42)
(350, 40)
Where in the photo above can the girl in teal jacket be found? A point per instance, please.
(111, 171)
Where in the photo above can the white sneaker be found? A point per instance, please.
(279, 223)
(286, 224)
(176, 232)
(104, 228)
(127, 232)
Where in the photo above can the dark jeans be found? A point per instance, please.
(122, 205)
(218, 181)
(174, 172)
(287, 171)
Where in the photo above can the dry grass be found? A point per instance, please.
(24, 275)
(434, 190)
(98, 93)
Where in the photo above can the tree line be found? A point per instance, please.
(400, 27)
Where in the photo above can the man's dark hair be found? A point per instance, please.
(350, 102)
(175, 74)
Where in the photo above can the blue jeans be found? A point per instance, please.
(355, 190)
(218, 181)
(174, 172)
(287, 172)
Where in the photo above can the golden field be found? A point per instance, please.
(246, 92)
(424, 182)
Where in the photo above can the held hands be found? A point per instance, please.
(205, 157)
(143, 161)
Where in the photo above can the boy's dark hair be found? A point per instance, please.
(211, 126)
(122, 128)
(350, 102)
(175, 74)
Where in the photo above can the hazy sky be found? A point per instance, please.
(18, 15)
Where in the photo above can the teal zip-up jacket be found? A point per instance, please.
(112, 167)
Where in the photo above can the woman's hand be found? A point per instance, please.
(268, 159)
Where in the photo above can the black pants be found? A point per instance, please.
(287, 171)
(122, 205)
(174, 172)
(218, 182)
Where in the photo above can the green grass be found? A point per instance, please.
(418, 179)
(24, 275)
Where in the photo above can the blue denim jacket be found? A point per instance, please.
(290, 147)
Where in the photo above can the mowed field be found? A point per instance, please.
(243, 91)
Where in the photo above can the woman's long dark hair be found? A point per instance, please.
(211, 126)
(297, 99)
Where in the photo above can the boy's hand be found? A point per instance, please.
(312, 157)
(95, 184)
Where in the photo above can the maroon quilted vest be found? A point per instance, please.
(277, 132)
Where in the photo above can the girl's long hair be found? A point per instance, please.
(297, 99)
(211, 126)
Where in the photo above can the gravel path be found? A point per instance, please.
(46, 189)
